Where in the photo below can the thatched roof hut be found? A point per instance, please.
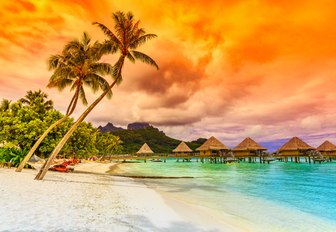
(248, 147)
(182, 148)
(294, 146)
(212, 147)
(145, 149)
(249, 144)
(327, 148)
(212, 144)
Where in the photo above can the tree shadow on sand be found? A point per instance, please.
(142, 223)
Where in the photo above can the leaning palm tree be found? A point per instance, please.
(77, 66)
(125, 39)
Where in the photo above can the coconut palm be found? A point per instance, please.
(107, 143)
(38, 99)
(5, 105)
(125, 39)
(76, 67)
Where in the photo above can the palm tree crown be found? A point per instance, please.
(128, 36)
(79, 66)
(5, 104)
(37, 98)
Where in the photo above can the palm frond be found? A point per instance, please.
(101, 68)
(107, 32)
(141, 40)
(130, 57)
(97, 82)
(108, 47)
(54, 61)
(60, 84)
(82, 95)
(144, 58)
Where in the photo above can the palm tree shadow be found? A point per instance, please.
(144, 224)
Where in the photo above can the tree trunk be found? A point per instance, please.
(38, 142)
(70, 110)
(60, 145)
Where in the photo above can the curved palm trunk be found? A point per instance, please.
(60, 145)
(70, 110)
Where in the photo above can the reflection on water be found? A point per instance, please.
(290, 196)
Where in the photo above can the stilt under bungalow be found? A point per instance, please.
(328, 150)
(249, 149)
(294, 149)
(183, 151)
(212, 150)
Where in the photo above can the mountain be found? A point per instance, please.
(137, 125)
(109, 128)
(139, 133)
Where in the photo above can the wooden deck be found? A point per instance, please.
(196, 157)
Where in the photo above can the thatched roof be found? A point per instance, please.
(182, 147)
(295, 144)
(326, 146)
(145, 149)
(212, 144)
(249, 145)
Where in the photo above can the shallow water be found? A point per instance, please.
(268, 197)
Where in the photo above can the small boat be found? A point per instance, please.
(156, 160)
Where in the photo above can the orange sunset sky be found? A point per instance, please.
(232, 69)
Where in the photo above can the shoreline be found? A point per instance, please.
(205, 218)
(94, 202)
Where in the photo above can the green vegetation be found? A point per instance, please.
(12, 154)
(21, 124)
(158, 141)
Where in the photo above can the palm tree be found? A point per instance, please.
(125, 40)
(5, 105)
(107, 143)
(38, 99)
(77, 66)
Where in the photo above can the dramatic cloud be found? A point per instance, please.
(232, 69)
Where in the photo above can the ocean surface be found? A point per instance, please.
(266, 197)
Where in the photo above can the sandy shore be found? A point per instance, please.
(88, 202)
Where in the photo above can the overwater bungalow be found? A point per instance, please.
(145, 150)
(250, 149)
(294, 148)
(328, 150)
(182, 150)
(212, 147)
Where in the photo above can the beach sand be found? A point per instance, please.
(97, 202)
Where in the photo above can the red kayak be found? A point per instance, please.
(60, 167)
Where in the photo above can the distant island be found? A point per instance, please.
(138, 133)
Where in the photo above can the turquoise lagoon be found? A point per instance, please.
(266, 197)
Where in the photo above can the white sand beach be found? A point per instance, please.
(91, 202)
